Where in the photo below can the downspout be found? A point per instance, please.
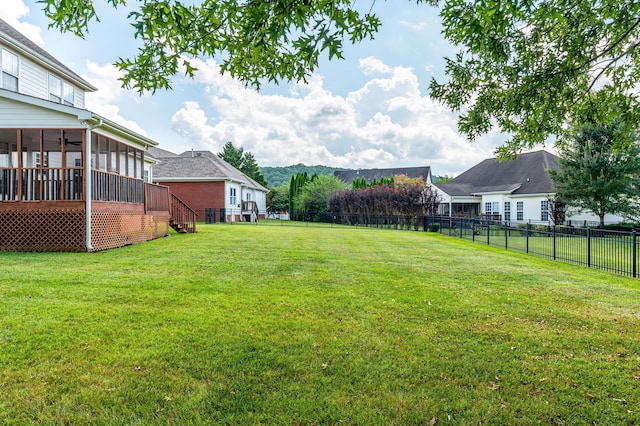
(87, 172)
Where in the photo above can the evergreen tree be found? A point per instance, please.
(232, 155)
(250, 168)
(243, 161)
(596, 175)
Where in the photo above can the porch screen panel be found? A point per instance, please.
(73, 155)
(8, 164)
(51, 165)
(124, 183)
(31, 165)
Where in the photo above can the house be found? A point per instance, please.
(204, 181)
(348, 176)
(518, 190)
(70, 179)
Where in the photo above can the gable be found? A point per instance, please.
(25, 48)
(198, 166)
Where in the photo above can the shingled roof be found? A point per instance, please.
(527, 174)
(13, 36)
(349, 176)
(197, 166)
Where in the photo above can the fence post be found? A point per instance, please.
(473, 229)
(527, 232)
(633, 252)
(506, 237)
(589, 247)
(488, 233)
(554, 241)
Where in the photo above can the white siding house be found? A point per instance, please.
(518, 191)
(70, 179)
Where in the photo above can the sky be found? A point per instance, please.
(370, 110)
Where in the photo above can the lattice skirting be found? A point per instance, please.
(111, 229)
(42, 229)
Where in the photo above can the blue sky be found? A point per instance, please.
(370, 110)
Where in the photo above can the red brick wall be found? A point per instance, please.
(199, 195)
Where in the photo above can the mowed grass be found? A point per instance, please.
(293, 325)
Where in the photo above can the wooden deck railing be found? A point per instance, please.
(156, 198)
(183, 218)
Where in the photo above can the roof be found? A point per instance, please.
(198, 166)
(18, 41)
(156, 152)
(349, 176)
(527, 174)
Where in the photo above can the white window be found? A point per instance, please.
(519, 210)
(9, 71)
(492, 207)
(232, 196)
(67, 94)
(544, 210)
(55, 89)
(507, 210)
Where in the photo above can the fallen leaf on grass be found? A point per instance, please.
(590, 397)
(636, 376)
(433, 421)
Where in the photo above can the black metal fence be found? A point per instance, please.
(611, 250)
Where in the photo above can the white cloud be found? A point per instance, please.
(13, 12)
(104, 101)
(388, 122)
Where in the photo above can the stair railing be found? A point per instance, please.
(182, 215)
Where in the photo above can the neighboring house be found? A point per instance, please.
(70, 179)
(348, 176)
(519, 190)
(204, 181)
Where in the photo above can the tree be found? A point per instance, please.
(295, 188)
(315, 195)
(250, 168)
(243, 161)
(232, 155)
(535, 69)
(278, 199)
(257, 40)
(596, 176)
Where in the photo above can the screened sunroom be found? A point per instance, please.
(44, 182)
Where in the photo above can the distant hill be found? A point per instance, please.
(278, 176)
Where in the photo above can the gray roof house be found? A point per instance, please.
(204, 181)
(518, 190)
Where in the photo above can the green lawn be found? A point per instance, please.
(301, 325)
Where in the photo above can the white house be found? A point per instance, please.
(518, 190)
(70, 179)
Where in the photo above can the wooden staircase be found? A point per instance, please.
(183, 218)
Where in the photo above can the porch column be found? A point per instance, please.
(87, 190)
